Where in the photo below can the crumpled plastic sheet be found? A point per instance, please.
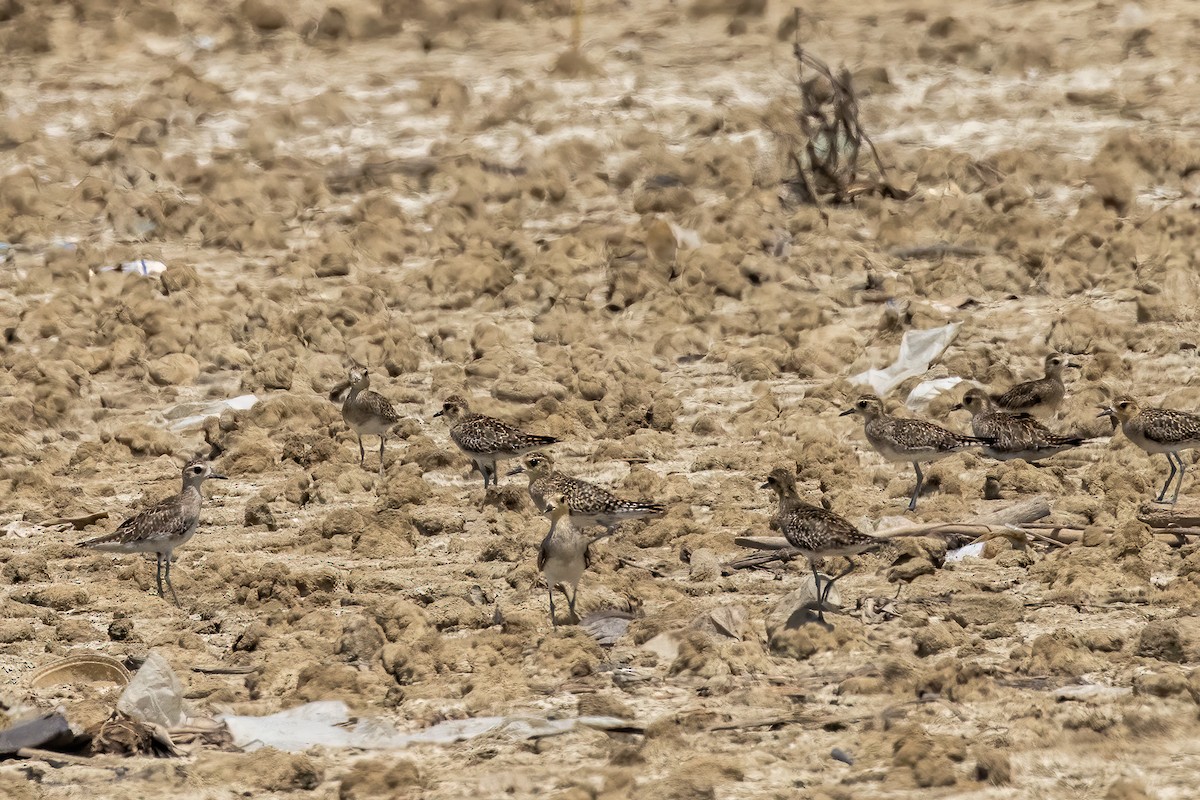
(155, 695)
(918, 349)
(189, 415)
(973, 550)
(925, 392)
(323, 723)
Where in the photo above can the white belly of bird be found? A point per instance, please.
(561, 570)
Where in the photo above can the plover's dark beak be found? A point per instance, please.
(438, 413)
(218, 477)
(1106, 412)
(957, 407)
(1073, 365)
(765, 485)
(846, 413)
(517, 470)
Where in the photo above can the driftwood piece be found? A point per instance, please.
(935, 251)
(1186, 514)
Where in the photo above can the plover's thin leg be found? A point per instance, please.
(912, 503)
(1162, 496)
(382, 439)
(170, 585)
(829, 584)
(1179, 479)
(362, 454)
(571, 600)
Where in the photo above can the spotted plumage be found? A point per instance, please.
(161, 527)
(486, 440)
(367, 413)
(1014, 436)
(1042, 396)
(815, 532)
(589, 504)
(910, 440)
(1158, 430)
(564, 554)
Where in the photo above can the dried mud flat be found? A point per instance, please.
(437, 190)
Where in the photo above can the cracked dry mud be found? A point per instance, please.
(596, 248)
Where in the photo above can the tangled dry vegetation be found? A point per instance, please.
(605, 246)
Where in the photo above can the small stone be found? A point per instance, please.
(264, 15)
(259, 513)
(176, 369)
(121, 630)
(994, 767)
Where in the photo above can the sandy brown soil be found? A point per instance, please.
(429, 188)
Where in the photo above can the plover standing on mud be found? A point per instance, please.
(1014, 436)
(162, 527)
(816, 533)
(588, 503)
(911, 440)
(565, 553)
(1158, 430)
(485, 440)
(367, 413)
(1042, 396)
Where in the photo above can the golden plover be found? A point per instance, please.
(816, 533)
(367, 413)
(162, 527)
(486, 440)
(1042, 396)
(1014, 436)
(589, 504)
(1158, 430)
(911, 440)
(565, 553)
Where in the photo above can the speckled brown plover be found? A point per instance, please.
(816, 533)
(162, 527)
(589, 504)
(486, 440)
(1158, 430)
(1014, 436)
(912, 440)
(367, 413)
(564, 555)
(1042, 396)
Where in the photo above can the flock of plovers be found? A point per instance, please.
(1003, 427)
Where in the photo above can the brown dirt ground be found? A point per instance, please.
(434, 188)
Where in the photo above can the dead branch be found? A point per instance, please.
(829, 153)
(1184, 515)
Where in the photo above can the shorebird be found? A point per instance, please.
(486, 440)
(366, 412)
(588, 503)
(1042, 396)
(565, 553)
(912, 440)
(1014, 436)
(1158, 430)
(816, 533)
(162, 527)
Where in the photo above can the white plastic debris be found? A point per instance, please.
(686, 238)
(154, 695)
(918, 349)
(966, 551)
(143, 266)
(188, 415)
(325, 723)
(924, 393)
